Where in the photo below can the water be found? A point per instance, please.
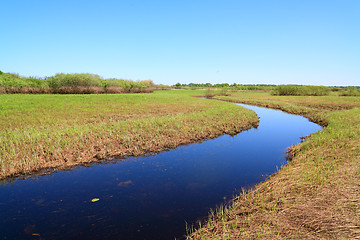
(149, 197)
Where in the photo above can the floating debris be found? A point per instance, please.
(124, 184)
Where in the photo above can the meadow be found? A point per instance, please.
(316, 195)
(57, 131)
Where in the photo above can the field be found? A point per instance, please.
(316, 195)
(42, 132)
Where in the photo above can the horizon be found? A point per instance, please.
(213, 84)
(263, 42)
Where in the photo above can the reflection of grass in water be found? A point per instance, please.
(315, 196)
(41, 131)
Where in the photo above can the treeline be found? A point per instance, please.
(348, 91)
(306, 90)
(301, 90)
(280, 90)
(78, 83)
(234, 86)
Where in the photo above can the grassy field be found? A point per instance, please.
(59, 131)
(317, 194)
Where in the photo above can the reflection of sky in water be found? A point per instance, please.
(148, 197)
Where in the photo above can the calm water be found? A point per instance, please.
(148, 197)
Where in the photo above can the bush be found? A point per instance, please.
(301, 90)
(78, 83)
(349, 91)
(74, 80)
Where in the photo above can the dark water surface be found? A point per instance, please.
(148, 197)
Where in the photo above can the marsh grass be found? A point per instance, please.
(316, 195)
(60, 131)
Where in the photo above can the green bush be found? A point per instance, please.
(70, 83)
(301, 90)
(350, 91)
(127, 85)
(74, 80)
(14, 80)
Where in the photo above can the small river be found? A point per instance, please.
(150, 197)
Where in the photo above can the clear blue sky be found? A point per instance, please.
(313, 42)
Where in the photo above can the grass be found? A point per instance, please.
(42, 131)
(316, 195)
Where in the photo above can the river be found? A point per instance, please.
(150, 197)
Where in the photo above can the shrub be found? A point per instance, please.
(301, 90)
(74, 80)
(350, 91)
(78, 83)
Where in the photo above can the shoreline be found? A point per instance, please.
(131, 152)
(308, 198)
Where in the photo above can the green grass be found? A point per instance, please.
(316, 195)
(42, 131)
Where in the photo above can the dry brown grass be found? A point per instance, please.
(315, 196)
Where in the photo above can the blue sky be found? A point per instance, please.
(314, 42)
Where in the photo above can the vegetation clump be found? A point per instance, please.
(77, 83)
(301, 90)
(350, 91)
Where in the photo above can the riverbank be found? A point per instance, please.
(52, 132)
(316, 195)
